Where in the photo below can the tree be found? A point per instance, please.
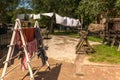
(6, 9)
(62, 7)
(117, 6)
(91, 9)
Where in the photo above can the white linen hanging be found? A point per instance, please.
(75, 23)
(21, 16)
(65, 21)
(36, 16)
(69, 21)
(47, 14)
(59, 19)
(79, 24)
(30, 16)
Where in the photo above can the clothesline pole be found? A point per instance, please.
(12, 53)
(51, 24)
(82, 22)
(36, 25)
(9, 52)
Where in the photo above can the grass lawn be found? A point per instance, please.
(105, 53)
(95, 39)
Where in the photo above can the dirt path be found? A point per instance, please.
(61, 53)
(62, 48)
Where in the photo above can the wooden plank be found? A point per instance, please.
(79, 64)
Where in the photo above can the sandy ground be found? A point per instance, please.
(63, 62)
(63, 48)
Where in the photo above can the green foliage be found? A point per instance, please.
(45, 21)
(95, 39)
(117, 6)
(62, 7)
(7, 8)
(21, 10)
(91, 9)
(105, 54)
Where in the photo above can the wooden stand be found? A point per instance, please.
(83, 45)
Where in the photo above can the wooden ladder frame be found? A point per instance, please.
(11, 50)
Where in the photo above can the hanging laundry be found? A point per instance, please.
(47, 14)
(17, 40)
(21, 16)
(31, 48)
(23, 62)
(41, 51)
(36, 16)
(31, 43)
(65, 21)
(18, 46)
(42, 54)
(29, 34)
(38, 37)
(75, 23)
(79, 24)
(30, 16)
(69, 21)
(59, 19)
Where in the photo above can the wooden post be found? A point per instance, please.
(79, 64)
(81, 22)
(51, 24)
(119, 46)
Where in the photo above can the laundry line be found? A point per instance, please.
(62, 20)
(33, 16)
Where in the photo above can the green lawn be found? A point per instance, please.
(105, 53)
(95, 39)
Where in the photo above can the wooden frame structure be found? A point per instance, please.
(83, 45)
(11, 50)
(112, 31)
